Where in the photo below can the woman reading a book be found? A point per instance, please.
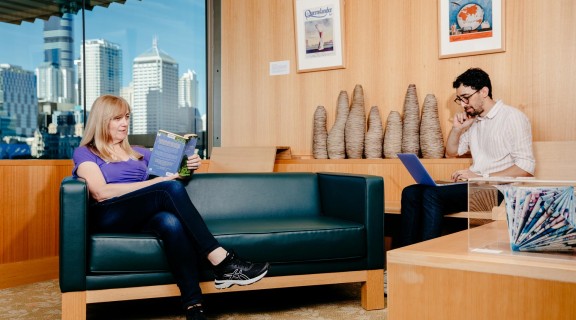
(125, 199)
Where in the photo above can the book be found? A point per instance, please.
(170, 153)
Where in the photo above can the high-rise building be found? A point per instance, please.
(128, 93)
(155, 81)
(56, 74)
(103, 70)
(49, 82)
(59, 40)
(188, 94)
(188, 90)
(18, 101)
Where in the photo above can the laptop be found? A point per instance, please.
(419, 172)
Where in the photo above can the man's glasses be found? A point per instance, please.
(466, 99)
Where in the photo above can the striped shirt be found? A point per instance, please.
(499, 140)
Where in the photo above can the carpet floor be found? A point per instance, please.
(331, 302)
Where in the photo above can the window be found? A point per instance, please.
(151, 52)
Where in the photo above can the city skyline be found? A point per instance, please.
(130, 26)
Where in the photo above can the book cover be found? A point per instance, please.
(170, 153)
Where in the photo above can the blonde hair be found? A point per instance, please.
(97, 135)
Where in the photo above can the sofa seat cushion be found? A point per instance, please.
(108, 252)
(291, 239)
(277, 240)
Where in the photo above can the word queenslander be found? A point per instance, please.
(318, 13)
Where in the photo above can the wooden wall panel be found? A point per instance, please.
(389, 45)
(29, 208)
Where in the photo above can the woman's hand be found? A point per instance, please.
(194, 162)
(166, 178)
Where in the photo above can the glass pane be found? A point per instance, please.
(22, 52)
(151, 52)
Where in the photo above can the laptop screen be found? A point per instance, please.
(419, 172)
(416, 169)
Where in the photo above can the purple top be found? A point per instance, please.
(115, 172)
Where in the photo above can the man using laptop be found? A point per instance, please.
(499, 139)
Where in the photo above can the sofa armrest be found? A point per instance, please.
(358, 198)
(73, 234)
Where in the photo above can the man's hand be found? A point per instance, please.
(462, 121)
(463, 175)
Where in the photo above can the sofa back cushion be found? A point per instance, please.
(255, 195)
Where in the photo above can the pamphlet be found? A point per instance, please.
(170, 153)
(540, 218)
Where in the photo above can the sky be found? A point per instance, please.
(179, 26)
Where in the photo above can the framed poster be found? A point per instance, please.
(470, 27)
(319, 27)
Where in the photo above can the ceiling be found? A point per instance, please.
(17, 11)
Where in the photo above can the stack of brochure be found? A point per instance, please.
(540, 218)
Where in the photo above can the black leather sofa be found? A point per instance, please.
(314, 228)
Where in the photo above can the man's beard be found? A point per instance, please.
(474, 112)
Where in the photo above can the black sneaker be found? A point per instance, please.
(234, 270)
(195, 313)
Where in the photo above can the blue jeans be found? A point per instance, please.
(423, 208)
(166, 210)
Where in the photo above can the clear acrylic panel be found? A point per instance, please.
(522, 217)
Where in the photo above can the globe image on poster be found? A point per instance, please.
(470, 17)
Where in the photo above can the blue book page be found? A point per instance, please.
(189, 150)
(167, 154)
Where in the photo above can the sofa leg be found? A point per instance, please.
(373, 290)
(74, 305)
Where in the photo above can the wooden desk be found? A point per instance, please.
(442, 279)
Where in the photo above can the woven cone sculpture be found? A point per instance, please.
(374, 135)
(356, 125)
(320, 134)
(431, 139)
(393, 135)
(335, 143)
(411, 122)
